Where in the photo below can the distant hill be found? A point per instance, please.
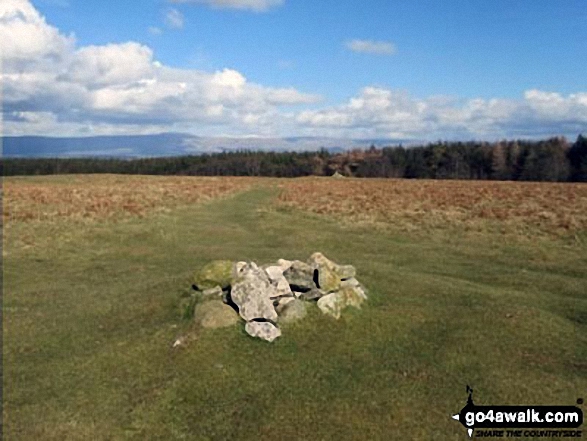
(168, 144)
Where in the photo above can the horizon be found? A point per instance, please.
(177, 145)
(279, 69)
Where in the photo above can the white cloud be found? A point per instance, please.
(25, 35)
(228, 80)
(290, 96)
(97, 66)
(52, 87)
(371, 47)
(174, 19)
(118, 85)
(379, 112)
(140, 98)
(154, 30)
(553, 106)
(253, 5)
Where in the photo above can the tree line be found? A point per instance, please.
(553, 159)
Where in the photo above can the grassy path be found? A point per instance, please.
(90, 312)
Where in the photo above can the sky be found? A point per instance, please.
(418, 69)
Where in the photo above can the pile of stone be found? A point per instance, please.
(269, 295)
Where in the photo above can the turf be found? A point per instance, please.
(91, 310)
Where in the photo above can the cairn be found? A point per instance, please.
(266, 296)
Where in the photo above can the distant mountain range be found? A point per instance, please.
(170, 144)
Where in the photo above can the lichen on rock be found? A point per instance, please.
(293, 311)
(215, 314)
(215, 273)
(272, 294)
(332, 304)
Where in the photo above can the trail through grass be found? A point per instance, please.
(90, 312)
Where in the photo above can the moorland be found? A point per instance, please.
(470, 283)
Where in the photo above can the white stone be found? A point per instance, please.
(238, 267)
(274, 272)
(281, 284)
(282, 301)
(354, 283)
(332, 304)
(284, 264)
(263, 330)
(253, 292)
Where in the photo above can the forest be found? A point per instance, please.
(555, 159)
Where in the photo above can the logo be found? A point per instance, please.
(538, 421)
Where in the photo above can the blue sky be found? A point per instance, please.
(421, 69)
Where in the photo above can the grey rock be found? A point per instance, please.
(263, 330)
(273, 293)
(252, 293)
(281, 302)
(318, 260)
(275, 272)
(215, 314)
(346, 271)
(332, 304)
(293, 311)
(238, 267)
(352, 282)
(282, 287)
(313, 294)
(300, 274)
(215, 292)
(353, 296)
(276, 277)
(358, 290)
(284, 264)
(328, 280)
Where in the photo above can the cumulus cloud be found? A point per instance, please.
(26, 36)
(174, 19)
(49, 82)
(97, 66)
(371, 47)
(253, 5)
(380, 112)
(51, 86)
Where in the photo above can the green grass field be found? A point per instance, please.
(90, 311)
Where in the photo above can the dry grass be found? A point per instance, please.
(550, 209)
(107, 197)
